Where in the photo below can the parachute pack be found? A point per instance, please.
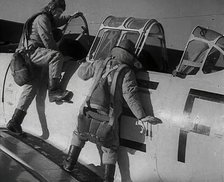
(20, 64)
(95, 120)
(20, 69)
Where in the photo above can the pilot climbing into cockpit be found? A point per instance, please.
(98, 120)
(44, 54)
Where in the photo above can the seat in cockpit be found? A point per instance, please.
(211, 61)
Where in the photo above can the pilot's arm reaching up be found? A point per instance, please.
(43, 53)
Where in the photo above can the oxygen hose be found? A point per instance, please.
(3, 90)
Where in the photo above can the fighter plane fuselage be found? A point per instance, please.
(187, 95)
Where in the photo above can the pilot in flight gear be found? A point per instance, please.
(127, 91)
(44, 54)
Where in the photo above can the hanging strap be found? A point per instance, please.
(94, 84)
(25, 34)
(26, 27)
(96, 81)
(112, 87)
(112, 92)
(3, 87)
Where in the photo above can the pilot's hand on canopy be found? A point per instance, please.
(174, 73)
(152, 120)
(76, 14)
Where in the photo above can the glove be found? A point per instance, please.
(76, 14)
(152, 120)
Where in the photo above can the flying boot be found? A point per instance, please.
(72, 157)
(14, 125)
(109, 172)
(56, 94)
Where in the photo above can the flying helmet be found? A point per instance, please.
(125, 53)
(53, 4)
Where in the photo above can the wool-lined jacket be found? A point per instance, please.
(128, 91)
(41, 31)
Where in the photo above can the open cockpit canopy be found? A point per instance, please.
(148, 36)
(203, 53)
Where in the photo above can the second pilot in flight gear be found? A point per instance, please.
(126, 90)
